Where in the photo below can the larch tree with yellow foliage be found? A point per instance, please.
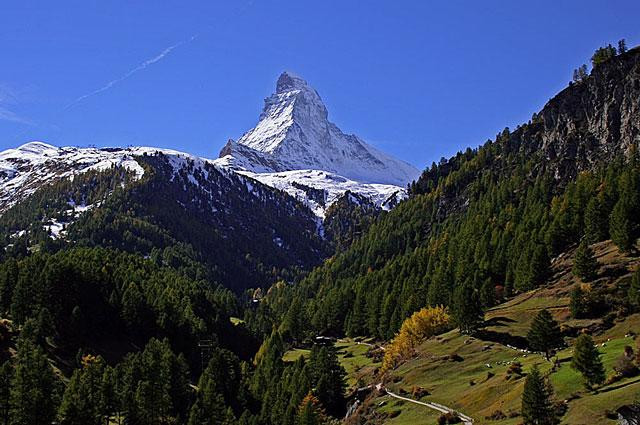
(311, 412)
(421, 325)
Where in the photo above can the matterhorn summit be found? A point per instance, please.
(294, 144)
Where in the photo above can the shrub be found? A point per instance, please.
(449, 418)
(624, 365)
(515, 370)
(497, 415)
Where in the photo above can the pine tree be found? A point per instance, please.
(622, 46)
(620, 226)
(488, 293)
(209, 407)
(585, 265)
(575, 78)
(82, 402)
(293, 323)
(582, 71)
(111, 385)
(544, 334)
(537, 405)
(33, 387)
(586, 360)
(603, 54)
(532, 268)
(6, 373)
(577, 304)
(466, 309)
(328, 379)
(595, 221)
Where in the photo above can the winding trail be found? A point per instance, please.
(466, 420)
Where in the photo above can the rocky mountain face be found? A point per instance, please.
(588, 123)
(294, 133)
(591, 121)
(295, 144)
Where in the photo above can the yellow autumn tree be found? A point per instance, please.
(421, 325)
(311, 412)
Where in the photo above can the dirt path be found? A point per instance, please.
(466, 420)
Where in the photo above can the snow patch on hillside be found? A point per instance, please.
(329, 188)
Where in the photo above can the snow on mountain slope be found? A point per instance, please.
(295, 144)
(318, 189)
(24, 169)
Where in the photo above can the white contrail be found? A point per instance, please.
(140, 67)
(8, 115)
(8, 98)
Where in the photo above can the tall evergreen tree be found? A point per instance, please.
(466, 309)
(585, 265)
(586, 360)
(578, 305)
(603, 54)
(152, 395)
(620, 226)
(595, 221)
(82, 402)
(293, 323)
(6, 372)
(33, 387)
(622, 46)
(111, 387)
(209, 407)
(537, 405)
(328, 379)
(544, 334)
(488, 293)
(532, 268)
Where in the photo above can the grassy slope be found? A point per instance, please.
(449, 382)
(352, 356)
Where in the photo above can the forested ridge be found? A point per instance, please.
(173, 217)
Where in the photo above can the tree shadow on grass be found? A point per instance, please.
(498, 321)
(502, 338)
(620, 385)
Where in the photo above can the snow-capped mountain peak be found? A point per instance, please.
(289, 81)
(294, 133)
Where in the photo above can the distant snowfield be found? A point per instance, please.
(334, 186)
(24, 169)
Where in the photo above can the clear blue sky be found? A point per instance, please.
(418, 79)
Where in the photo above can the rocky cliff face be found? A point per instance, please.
(589, 122)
